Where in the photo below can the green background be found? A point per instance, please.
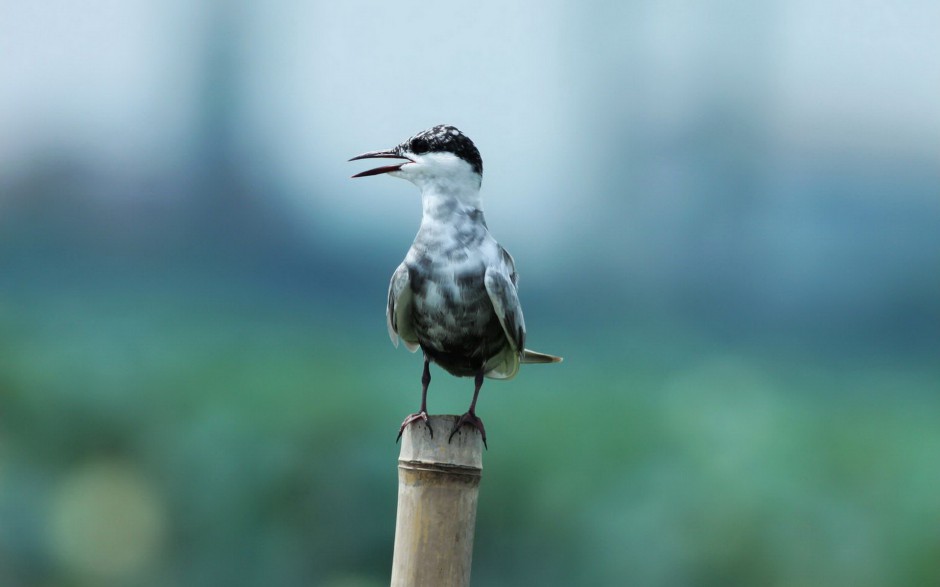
(725, 219)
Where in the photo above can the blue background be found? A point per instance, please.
(725, 216)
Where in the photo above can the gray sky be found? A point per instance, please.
(560, 97)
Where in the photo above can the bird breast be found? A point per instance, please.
(452, 311)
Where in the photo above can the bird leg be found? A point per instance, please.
(471, 417)
(423, 412)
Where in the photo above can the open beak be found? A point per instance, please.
(389, 154)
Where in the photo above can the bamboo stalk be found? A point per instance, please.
(438, 486)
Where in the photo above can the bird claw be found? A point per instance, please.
(414, 418)
(470, 419)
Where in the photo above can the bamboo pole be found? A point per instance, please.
(438, 485)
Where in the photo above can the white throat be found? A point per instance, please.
(448, 184)
(442, 199)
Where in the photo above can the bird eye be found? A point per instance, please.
(419, 146)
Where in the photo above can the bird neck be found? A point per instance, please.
(441, 202)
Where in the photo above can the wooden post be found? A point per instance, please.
(438, 485)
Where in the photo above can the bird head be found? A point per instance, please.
(439, 155)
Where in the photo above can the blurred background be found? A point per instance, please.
(725, 217)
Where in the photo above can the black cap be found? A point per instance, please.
(444, 138)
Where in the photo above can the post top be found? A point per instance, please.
(465, 450)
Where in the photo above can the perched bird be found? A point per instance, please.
(454, 295)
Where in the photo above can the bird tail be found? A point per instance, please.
(534, 357)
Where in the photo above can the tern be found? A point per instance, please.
(455, 294)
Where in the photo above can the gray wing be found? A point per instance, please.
(510, 266)
(398, 313)
(501, 288)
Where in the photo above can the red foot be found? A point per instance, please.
(470, 419)
(414, 418)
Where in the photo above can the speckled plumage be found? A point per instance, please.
(445, 138)
(452, 315)
(454, 296)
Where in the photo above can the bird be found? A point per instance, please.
(455, 294)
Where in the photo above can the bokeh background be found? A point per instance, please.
(726, 216)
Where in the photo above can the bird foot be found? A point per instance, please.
(422, 415)
(471, 420)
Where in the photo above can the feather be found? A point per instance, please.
(533, 357)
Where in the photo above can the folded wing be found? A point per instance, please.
(398, 313)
